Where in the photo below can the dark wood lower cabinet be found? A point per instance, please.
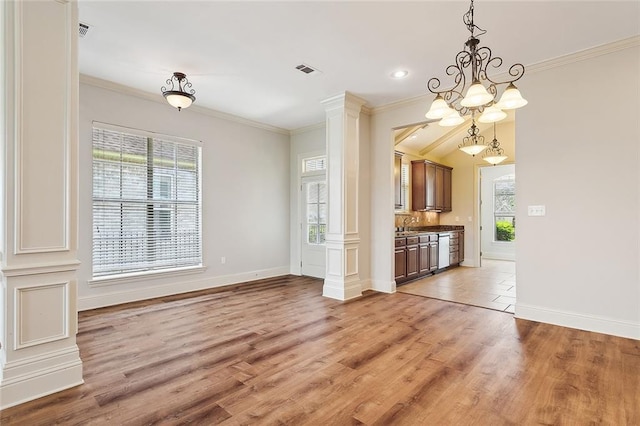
(413, 257)
(401, 263)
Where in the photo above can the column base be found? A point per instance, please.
(48, 373)
(341, 290)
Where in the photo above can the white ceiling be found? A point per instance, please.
(241, 56)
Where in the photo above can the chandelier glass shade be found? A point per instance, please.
(494, 153)
(474, 89)
(180, 94)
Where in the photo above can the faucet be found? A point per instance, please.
(404, 222)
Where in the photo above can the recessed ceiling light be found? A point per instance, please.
(400, 74)
(414, 136)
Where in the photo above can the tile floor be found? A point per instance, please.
(492, 286)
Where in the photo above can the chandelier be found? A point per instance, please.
(180, 95)
(474, 89)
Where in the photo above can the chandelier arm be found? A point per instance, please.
(516, 70)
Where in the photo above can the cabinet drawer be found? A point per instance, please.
(453, 248)
(428, 238)
(412, 241)
(401, 242)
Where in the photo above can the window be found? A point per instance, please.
(316, 212)
(146, 202)
(314, 164)
(504, 208)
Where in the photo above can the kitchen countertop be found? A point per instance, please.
(429, 229)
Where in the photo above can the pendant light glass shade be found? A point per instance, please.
(452, 119)
(439, 109)
(511, 98)
(473, 149)
(476, 96)
(179, 99)
(492, 114)
(495, 159)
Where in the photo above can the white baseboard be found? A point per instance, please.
(499, 256)
(383, 286)
(177, 287)
(49, 373)
(593, 323)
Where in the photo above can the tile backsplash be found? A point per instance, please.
(420, 219)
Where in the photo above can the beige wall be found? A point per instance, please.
(578, 154)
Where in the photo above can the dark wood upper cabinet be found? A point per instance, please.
(431, 186)
(397, 180)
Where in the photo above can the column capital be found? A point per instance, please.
(344, 100)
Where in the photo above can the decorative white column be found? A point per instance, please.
(342, 280)
(38, 185)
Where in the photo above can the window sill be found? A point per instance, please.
(142, 276)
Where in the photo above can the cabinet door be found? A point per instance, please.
(425, 258)
(413, 255)
(433, 256)
(401, 263)
(430, 186)
(439, 188)
(418, 186)
(446, 189)
(397, 180)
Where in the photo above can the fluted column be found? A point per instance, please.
(342, 280)
(38, 217)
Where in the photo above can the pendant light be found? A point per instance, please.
(180, 95)
(473, 143)
(494, 153)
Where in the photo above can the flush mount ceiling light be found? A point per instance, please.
(473, 143)
(474, 90)
(180, 94)
(400, 74)
(494, 153)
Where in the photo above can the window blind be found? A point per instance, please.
(146, 203)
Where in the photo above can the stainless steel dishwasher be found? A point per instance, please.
(443, 250)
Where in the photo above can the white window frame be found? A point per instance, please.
(124, 277)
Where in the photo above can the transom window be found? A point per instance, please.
(504, 208)
(146, 202)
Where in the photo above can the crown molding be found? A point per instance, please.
(581, 55)
(578, 56)
(309, 128)
(126, 90)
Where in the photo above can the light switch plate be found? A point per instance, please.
(536, 210)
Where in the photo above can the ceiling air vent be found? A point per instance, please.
(307, 69)
(83, 29)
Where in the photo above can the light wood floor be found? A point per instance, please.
(276, 352)
(492, 286)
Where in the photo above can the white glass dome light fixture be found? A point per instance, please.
(181, 98)
(474, 90)
(494, 153)
(473, 143)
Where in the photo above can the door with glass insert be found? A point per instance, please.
(314, 227)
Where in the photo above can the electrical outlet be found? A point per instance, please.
(223, 260)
